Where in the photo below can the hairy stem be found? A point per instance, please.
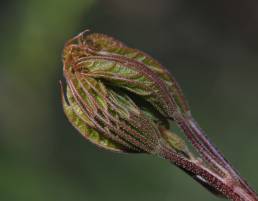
(194, 169)
(231, 184)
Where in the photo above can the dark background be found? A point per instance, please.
(211, 48)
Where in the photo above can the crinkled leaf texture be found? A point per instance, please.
(120, 98)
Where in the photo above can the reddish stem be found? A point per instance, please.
(231, 185)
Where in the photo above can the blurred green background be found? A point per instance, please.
(211, 48)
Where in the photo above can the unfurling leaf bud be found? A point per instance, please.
(118, 97)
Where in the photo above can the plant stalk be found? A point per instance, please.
(229, 183)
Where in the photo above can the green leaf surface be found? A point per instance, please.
(83, 125)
